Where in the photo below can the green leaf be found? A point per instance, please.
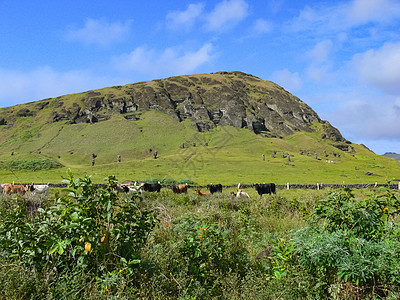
(74, 216)
(134, 262)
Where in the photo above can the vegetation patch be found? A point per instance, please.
(34, 164)
(91, 242)
(168, 181)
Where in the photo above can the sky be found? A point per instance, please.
(340, 57)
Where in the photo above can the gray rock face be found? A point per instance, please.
(208, 100)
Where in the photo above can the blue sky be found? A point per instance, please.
(340, 57)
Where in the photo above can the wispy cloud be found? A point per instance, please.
(291, 81)
(226, 14)
(320, 61)
(43, 82)
(100, 32)
(341, 16)
(275, 5)
(360, 12)
(321, 51)
(261, 26)
(184, 20)
(172, 61)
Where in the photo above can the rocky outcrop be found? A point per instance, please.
(208, 100)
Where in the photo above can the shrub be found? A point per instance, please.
(357, 243)
(89, 228)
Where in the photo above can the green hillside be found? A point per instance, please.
(228, 155)
(198, 132)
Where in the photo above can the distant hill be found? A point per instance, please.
(392, 155)
(205, 127)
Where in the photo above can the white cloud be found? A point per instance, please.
(364, 11)
(262, 26)
(320, 61)
(171, 61)
(380, 68)
(100, 32)
(21, 87)
(321, 51)
(368, 120)
(363, 115)
(226, 14)
(184, 20)
(345, 15)
(289, 81)
(319, 72)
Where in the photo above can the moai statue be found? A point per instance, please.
(93, 158)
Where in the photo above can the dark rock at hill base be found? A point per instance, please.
(208, 100)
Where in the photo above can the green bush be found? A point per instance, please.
(89, 228)
(354, 242)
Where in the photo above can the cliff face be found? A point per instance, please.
(209, 100)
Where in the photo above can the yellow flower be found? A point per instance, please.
(88, 246)
(200, 236)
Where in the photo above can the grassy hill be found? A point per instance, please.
(227, 155)
(38, 143)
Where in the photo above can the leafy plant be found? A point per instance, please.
(281, 258)
(89, 228)
(357, 242)
(205, 250)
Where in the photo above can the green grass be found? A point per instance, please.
(227, 155)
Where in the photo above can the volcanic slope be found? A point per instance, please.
(225, 127)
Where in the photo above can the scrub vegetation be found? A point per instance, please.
(87, 241)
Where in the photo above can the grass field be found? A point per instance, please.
(227, 155)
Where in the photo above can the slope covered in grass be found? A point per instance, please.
(226, 154)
